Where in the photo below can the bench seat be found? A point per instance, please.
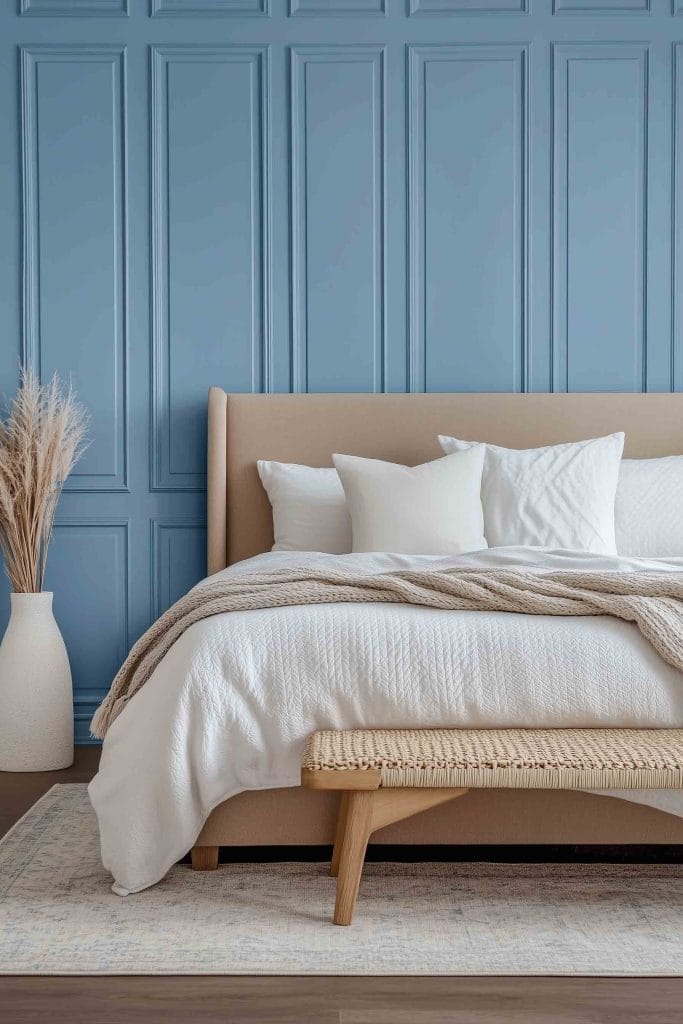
(385, 775)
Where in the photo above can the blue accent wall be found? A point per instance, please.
(323, 195)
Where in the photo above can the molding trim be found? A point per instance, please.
(86, 703)
(343, 8)
(300, 57)
(30, 58)
(209, 8)
(160, 526)
(74, 8)
(162, 478)
(87, 699)
(561, 56)
(418, 57)
(83, 522)
(467, 7)
(602, 7)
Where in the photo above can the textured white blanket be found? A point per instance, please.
(653, 600)
(230, 705)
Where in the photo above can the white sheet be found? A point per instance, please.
(230, 706)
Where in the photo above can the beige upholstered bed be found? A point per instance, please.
(403, 428)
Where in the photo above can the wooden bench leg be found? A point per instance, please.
(362, 812)
(339, 836)
(353, 847)
(205, 858)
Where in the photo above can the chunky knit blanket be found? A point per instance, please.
(653, 601)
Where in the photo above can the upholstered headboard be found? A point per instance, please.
(307, 429)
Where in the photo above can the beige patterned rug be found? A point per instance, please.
(58, 915)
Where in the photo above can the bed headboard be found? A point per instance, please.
(307, 429)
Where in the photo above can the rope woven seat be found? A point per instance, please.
(386, 775)
(498, 758)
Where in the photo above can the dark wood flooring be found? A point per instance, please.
(20, 790)
(232, 1000)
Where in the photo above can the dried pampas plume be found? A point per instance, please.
(40, 441)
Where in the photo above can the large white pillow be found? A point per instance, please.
(561, 496)
(309, 508)
(433, 509)
(649, 507)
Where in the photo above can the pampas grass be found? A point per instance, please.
(40, 441)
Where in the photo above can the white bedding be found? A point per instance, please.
(231, 704)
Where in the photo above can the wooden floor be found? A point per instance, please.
(20, 790)
(317, 1000)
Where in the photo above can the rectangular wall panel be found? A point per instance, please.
(211, 8)
(337, 218)
(88, 572)
(601, 6)
(75, 8)
(337, 7)
(468, 6)
(599, 182)
(178, 560)
(209, 244)
(467, 217)
(74, 257)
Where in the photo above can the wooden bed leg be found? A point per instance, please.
(339, 836)
(354, 845)
(205, 858)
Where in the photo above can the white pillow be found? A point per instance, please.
(433, 509)
(556, 497)
(649, 507)
(309, 508)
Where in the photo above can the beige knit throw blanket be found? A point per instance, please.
(652, 600)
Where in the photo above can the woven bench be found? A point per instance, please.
(385, 775)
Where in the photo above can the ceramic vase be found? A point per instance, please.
(36, 697)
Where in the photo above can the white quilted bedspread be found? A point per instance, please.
(231, 704)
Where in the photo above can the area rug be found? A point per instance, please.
(59, 916)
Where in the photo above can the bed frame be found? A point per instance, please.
(403, 428)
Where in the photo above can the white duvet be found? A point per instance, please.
(230, 706)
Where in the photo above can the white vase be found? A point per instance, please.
(36, 698)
